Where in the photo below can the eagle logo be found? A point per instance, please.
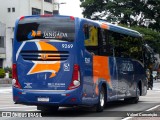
(45, 66)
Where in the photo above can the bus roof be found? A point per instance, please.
(115, 28)
(100, 23)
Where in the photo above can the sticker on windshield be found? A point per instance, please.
(55, 34)
(34, 34)
(47, 34)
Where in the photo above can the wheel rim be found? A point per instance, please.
(102, 99)
(138, 92)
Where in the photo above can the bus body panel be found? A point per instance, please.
(45, 69)
(45, 74)
(113, 92)
(49, 80)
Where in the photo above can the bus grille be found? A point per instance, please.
(45, 55)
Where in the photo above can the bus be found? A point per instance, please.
(63, 61)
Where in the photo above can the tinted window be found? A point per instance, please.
(48, 12)
(96, 40)
(2, 41)
(50, 1)
(36, 11)
(54, 28)
(126, 46)
(1, 63)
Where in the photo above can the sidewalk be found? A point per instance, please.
(5, 82)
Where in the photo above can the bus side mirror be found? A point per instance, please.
(86, 32)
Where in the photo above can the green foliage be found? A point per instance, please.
(151, 37)
(132, 12)
(10, 75)
(8, 70)
(92, 6)
(135, 13)
(2, 73)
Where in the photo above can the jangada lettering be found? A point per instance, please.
(54, 34)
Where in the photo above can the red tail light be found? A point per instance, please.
(15, 81)
(75, 78)
(72, 18)
(21, 18)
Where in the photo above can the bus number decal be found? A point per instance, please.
(67, 45)
(127, 66)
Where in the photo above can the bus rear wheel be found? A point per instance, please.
(133, 100)
(101, 100)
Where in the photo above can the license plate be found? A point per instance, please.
(43, 99)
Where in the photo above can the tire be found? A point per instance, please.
(101, 100)
(133, 100)
(136, 99)
(48, 108)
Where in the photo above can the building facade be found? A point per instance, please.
(13, 9)
(2, 44)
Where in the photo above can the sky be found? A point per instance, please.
(72, 8)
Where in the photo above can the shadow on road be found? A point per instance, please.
(88, 111)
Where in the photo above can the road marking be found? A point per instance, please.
(6, 90)
(153, 108)
(150, 109)
(17, 107)
(127, 118)
(32, 110)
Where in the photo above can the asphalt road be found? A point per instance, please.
(113, 111)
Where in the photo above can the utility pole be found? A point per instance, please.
(58, 6)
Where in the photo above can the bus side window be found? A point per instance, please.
(91, 39)
(92, 36)
(86, 32)
(103, 42)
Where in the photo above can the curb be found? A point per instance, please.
(6, 81)
(5, 85)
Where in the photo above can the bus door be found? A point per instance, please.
(107, 50)
(91, 44)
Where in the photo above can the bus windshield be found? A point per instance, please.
(54, 28)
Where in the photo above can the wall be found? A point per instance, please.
(22, 8)
(3, 49)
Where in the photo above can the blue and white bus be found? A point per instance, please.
(69, 61)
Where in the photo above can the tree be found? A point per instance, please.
(150, 36)
(129, 12)
(153, 13)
